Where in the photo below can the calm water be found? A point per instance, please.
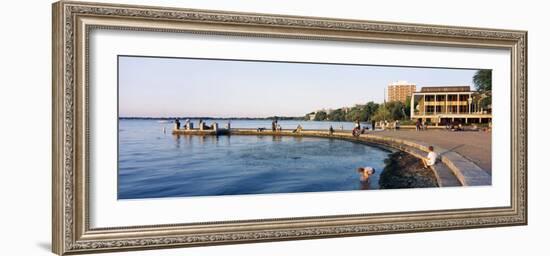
(154, 164)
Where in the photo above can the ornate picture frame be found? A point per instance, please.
(72, 23)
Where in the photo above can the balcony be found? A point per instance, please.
(443, 103)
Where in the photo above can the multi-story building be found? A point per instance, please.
(400, 90)
(445, 104)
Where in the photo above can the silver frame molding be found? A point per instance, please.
(72, 22)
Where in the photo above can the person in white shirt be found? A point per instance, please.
(431, 158)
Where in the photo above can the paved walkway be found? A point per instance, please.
(475, 146)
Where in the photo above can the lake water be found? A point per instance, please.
(155, 164)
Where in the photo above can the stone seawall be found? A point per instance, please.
(451, 169)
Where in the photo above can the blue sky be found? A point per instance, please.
(162, 87)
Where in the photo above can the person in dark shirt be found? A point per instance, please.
(274, 125)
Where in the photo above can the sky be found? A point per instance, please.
(168, 87)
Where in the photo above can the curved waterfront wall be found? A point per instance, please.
(452, 169)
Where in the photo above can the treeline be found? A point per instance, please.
(370, 111)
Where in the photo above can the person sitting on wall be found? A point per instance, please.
(430, 160)
(261, 129)
(356, 131)
(298, 129)
(365, 173)
(279, 128)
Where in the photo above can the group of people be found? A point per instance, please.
(188, 125)
(366, 172)
(384, 125)
(358, 130)
(454, 126)
(275, 126)
(421, 125)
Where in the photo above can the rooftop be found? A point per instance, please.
(446, 89)
(401, 83)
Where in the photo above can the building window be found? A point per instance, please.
(429, 109)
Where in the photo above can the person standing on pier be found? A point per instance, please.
(274, 125)
(186, 125)
(177, 124)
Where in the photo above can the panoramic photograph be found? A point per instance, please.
(218, 127)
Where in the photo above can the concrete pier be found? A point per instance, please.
(451, 169)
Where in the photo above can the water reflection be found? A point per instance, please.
(364, 185)
(276, 138)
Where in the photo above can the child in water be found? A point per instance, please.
(365, 173)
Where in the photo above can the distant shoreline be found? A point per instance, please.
(215, 118)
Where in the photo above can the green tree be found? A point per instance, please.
(483, 82)
(397, 110)
(337, 115)
(371, 108)
(382, 113)
(320, 116)
(408, 107)
(354, 114)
